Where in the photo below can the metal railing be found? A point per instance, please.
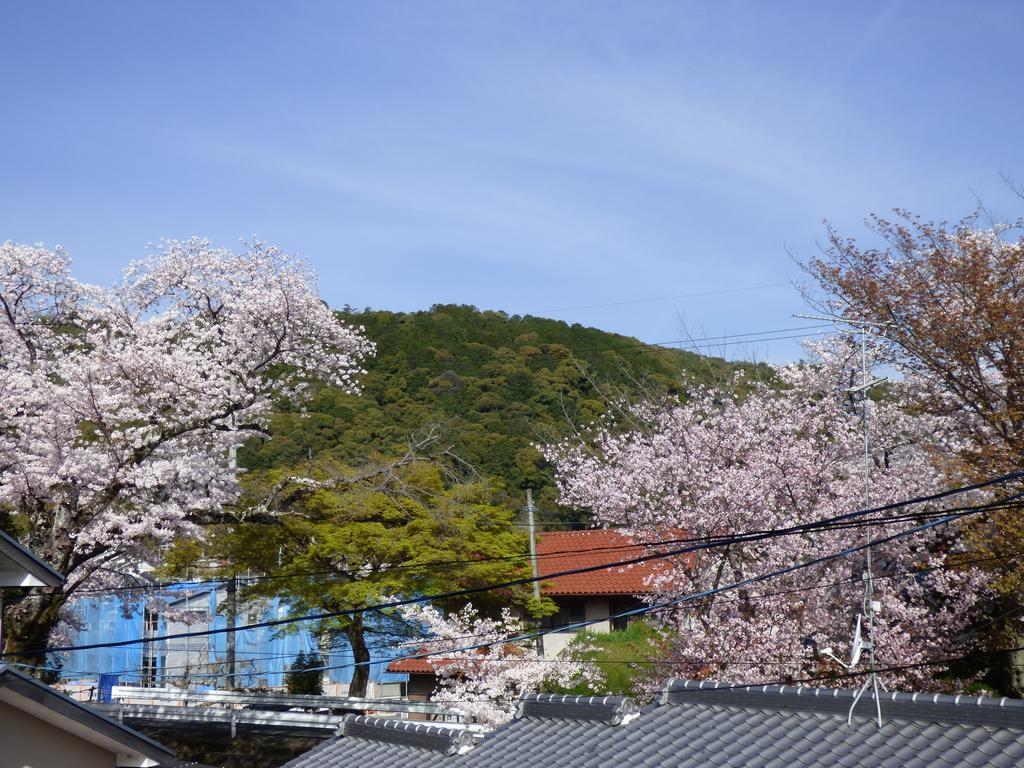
(278, 701)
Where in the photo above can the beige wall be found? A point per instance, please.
(594, 607)
(598, 608)
(27, 742)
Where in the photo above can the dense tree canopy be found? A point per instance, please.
(949, 301)
(777, 458)
(335, 544)
(119, 406)
(497, 384)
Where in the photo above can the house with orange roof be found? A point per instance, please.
(594, 596)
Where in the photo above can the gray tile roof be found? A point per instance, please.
(771, 726)
(709, 725)
(374, 742)
(555, 731)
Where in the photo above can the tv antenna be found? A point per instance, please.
(856, 647)
(862, 328)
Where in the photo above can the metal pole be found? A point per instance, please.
(533, 559)
(863, 327)
(232, 622)
(232, 598)
(188, 625)
(869, 580)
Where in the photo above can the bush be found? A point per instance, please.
(304, 676)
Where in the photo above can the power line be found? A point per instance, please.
(707, 543)
(689, 597)
(388, 569)
(725, 541)
(711, 340)
(419, 642)
(502, 558)
(219, 582)
(670, 298)
(747, 599)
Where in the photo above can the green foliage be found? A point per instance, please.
(369, 541)
(499, 384)
(540, 607)
(623, 659)
(304, 675)
(348, 540)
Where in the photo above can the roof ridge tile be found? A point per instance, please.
(958, 708)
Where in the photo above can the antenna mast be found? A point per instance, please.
(863, 328)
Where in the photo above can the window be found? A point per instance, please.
(149, 670)
(568, 613)
(622, 605)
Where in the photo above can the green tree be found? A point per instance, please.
(627, 660)
(338, 540)
(304, 676)
(498, 383)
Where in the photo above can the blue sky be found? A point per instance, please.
(530, 157)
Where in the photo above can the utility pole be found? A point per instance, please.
(232, 587)
(533, 559)
(232, 611)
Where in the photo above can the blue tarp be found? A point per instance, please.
(262, 654)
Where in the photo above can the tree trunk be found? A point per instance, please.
(361, 655)
(28, 622)
(1014, 663)
(1006, 670)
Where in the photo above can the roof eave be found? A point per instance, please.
(30, 570)
(64, 706)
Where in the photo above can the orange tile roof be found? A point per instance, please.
(566, 550)
(414, 666)
(426, 665)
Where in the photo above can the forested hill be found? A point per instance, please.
(498, 383)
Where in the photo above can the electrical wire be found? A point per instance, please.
(699, 343)
(665, 605)
(915, 572)
(447, 563)
(724, 541)
(623, 614)
(670, 298)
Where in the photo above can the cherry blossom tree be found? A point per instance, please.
(486, 682)
(949, 296)
(120, 406)
(786, 454)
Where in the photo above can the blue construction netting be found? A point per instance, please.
(262, 654)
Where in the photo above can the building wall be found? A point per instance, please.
(598, 608)
(421, 687)
(263, 655)
(555, 643)
(28, 742)
(594, 607)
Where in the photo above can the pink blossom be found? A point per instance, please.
(778, 457)
(120, 406)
